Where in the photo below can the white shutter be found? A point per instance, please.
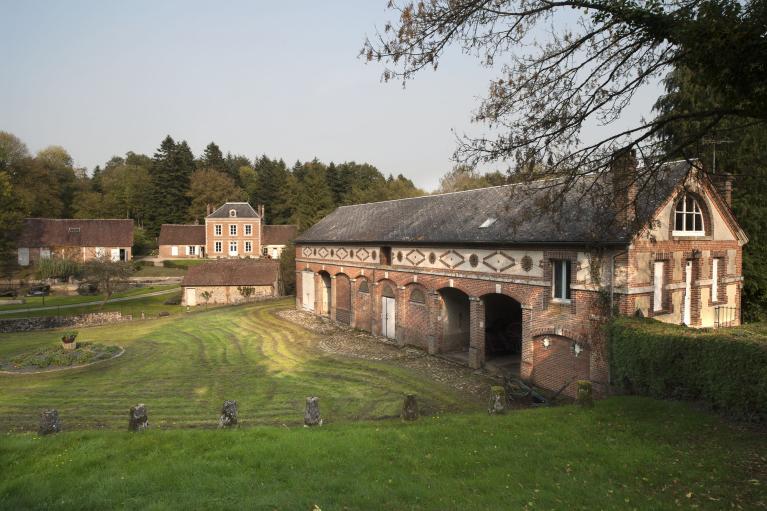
(657, 287)
(714, 279)
(174, 250)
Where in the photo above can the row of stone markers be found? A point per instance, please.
(138, 418)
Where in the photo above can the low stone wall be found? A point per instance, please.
(46, 322)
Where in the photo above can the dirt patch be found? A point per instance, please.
(346, 341)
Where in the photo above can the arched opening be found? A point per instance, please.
(455, 316)
(343, 299)
(503, 332)
(325, 294)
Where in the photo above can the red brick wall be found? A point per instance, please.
(225, 238)
(557, 365)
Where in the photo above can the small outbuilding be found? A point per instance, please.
(230, 281)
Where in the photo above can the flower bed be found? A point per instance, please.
(57, 357)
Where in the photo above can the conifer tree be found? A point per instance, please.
(171, 168)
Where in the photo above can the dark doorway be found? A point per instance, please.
(503, 326)
(455, 320)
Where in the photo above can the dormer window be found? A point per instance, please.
(688, 218)
(232, 213)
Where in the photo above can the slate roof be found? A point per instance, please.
(279, 234)
(243, 209)
(233, 272)
(517, 210)
(176, 234)
(54, 232)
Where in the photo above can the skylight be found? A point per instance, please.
(487, 223)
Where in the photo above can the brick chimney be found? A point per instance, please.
(261, 211)
(623, 169)
(723, 183)
(208, 209)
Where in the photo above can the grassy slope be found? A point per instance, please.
(159, 271)
(50, 301)
(627, 453)
(150, 305)
(183, 368)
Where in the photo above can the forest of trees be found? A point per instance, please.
(173, 186)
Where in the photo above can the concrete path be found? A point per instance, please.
(86, 304)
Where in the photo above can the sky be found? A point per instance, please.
(101, 78)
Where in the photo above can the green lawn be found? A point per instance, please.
(627, 453)
(159, 271)
(183, 367)
(54, 300)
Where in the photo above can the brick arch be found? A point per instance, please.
(380, 283)
(362, 303)
(558, 365)
(561, 332)
(506, 293)
(414, 324)
(410, 286)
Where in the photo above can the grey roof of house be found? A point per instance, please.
(243, 209)
(56, 232)
(520, 212)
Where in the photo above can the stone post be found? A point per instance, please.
(228, 417)
(49, 422)
(138, 419)
(497, 403)
(584, 396)
(299, 290)
(353, 303)
(312, 412)
(410, 408)
(476, 332)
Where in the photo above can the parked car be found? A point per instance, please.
(87, 289)
(41, 290)
(8, 292)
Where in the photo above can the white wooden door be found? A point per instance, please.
(174, 250)
(191, 296)
(23, 257)
(115, 254)
(388, 318)
(687, 293)
(307, 290)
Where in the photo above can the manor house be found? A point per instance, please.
(489, 277)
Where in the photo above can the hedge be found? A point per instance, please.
(725, 369)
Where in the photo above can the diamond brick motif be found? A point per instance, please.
(363, 254)
(322, 252)
(451, 259)
(341, 253)
(307, 251)
(415, 257)
(498, 261)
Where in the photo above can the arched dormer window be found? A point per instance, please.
(688, 217)
(232, 213)
(364, 286)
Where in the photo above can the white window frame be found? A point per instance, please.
(174, 250)
(218, 247)
(218, 230)
(233, 243)
(714, 279)
(45, 253)
(248, 246)
(685, 210)
(191, 250)
(564, 264)
(248, 230)
(657, 297)
(232, 229)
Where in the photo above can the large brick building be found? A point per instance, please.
(78, 239)
(234, 230)
(490, 277)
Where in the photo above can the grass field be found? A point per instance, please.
(159, 271)
(627, 453)
(149, 305)
(55, 300)
(183, 367)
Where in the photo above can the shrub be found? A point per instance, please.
(170, 264)
(137, 265)
(58, 267)
(174, 299)
(724, 369)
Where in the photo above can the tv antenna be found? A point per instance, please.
(715, 142)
